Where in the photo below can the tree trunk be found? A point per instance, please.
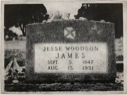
(22, 27)
(23, 32)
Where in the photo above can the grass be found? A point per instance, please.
(64, 87)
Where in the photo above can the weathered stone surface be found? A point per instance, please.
(84, 32)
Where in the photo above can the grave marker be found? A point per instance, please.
(70, 50)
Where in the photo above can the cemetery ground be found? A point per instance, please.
(25, 86)
(68, 86)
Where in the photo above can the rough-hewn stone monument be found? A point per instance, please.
(70, 50)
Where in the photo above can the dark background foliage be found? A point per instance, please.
(108, 12)
(22, 14)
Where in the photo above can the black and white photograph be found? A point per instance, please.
(63, 46)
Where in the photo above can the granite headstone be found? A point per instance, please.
(70, 50)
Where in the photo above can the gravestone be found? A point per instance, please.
(70, 50)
